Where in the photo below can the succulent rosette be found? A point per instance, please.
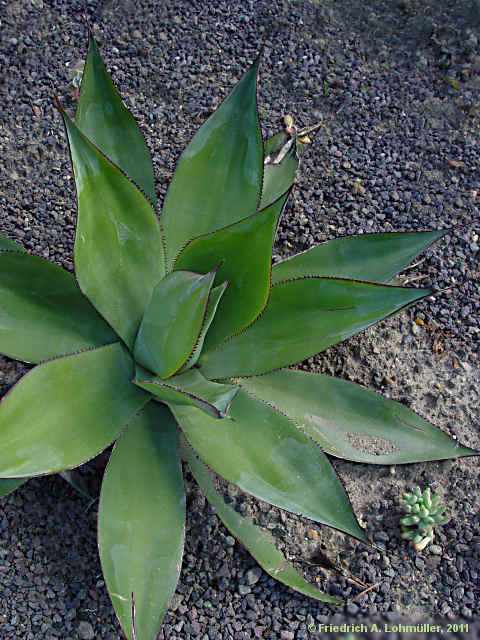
(174, 338)
(424, 513)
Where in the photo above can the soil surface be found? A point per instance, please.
(396, 85)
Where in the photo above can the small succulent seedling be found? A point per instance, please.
(175, 341)
(424, 512)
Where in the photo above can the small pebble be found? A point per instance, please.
(253, 575)
(436, 549)
(85, 630)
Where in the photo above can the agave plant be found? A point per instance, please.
(174, 342)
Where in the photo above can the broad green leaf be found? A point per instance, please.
(264, 454)
(173, 321)
(104, 119)
(302, 318)
(118, 247)
(349, 422)
(8, 245)
(244, 252)
(191, 389)
(218, 178)
(43, 313)
(259, 542)
(213, 301)
(66, 411)
(7, 485)
(141, 520)
(373, 257)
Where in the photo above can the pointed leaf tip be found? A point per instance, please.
(353, 423)
(106, 121)
(284, 468)
(303, 317)
(220, 171)
(118, 247)
(260, 543)
(371, 257)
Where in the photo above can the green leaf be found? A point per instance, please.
(8, 245)
(43, 313)
(103, 118)
(373, 257)
(280, 169)
(7, 485)
(141, 520)
(302, 318)
(347, 421)
(277, 178)
(244, 252)
(261, 452)
(218, 178)
(118, 247)
(64, 412)
(274, 144)
(191, 389)
(212, 306)
(173, 321)
(259, 542)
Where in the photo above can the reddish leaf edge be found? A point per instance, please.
(71, 355)
(366, 541)
(238, 383)
(204, 315)
(91, 40)
(316, 445)
(63, 114)
(212, 408)
(185, 443)
(427, 292)
(256, 63)
(285, 195)
(185, 365)
(444, 232)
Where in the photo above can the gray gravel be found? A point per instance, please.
(397, 85)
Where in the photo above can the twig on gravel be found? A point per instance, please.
(362, 593)
(415, 264)
(414, 279)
